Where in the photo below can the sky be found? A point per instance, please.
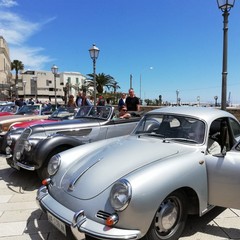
(165, 45)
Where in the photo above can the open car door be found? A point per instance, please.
(224, 178)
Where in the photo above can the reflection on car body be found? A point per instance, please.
(144, 185)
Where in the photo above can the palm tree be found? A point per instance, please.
(17, 66)
(102, 80)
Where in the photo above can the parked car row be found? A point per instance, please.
(142, 180)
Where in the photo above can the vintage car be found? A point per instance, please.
(8, 108)
(25, 113)
(38, 143)
(178, 161)
(14, 132)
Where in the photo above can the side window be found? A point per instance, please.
(235, 128)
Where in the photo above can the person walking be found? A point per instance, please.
(132, 102)
(82, 100)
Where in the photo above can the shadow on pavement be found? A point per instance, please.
(20, 181)
(206, 225)
(38, 227)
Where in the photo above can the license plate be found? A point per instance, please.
(57, 223)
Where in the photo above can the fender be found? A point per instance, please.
(50, 144)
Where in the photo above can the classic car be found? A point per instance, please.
(8, 108)
(144, 185)
(38, 143)
(25, 113)
(14, 132)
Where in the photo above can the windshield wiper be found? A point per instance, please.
(180, 140)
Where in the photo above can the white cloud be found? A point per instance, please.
(17, 32)
(30, 57)
(8, 3)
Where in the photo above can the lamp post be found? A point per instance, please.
(24, 88)
(198, 100)
(225, 6)
(94, 51)
(140, 82)
(215, 98)
(55, 71)
(35, 83)
(177, 93)
(11, 90)
(17, 91)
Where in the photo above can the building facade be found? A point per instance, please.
(40, 85)
(5, 69)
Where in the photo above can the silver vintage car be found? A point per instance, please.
(178, 161)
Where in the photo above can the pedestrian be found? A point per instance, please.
(101, 101)
(79, 99)
(122, 101)
(132, 102)
(71, 102)
(82, 100)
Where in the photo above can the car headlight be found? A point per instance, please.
(54, 164)
(27, 146)
(9, 140)
(120, 195)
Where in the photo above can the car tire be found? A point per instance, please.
(170, 218)
(42, 171)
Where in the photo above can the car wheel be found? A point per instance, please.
(170, 219)
(42, 171)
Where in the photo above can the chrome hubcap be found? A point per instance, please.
(166, 216)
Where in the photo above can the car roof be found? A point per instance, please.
(205, 113)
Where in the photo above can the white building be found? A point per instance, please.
(41, 85)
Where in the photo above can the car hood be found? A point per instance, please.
(32, 122)
(95, 172)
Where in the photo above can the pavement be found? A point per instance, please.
(21, 219)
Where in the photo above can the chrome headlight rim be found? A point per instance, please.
(9, 140)
(54, 164)
(120, 195)
(27, 146)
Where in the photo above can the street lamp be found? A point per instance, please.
(55, 71)
(177, 93)
(225, 6)
(35, 82)
(17, 91)
(198, 100)
(140, 87)
(215, 98)
(24, 89)
(11, 90)
(94, 51)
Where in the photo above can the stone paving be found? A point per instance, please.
(21, 219)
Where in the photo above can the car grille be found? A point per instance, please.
(103, 215)
(19, 146)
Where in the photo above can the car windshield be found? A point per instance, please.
(98, 112)
(8, 108)
(63, 112)
(29, 109)
(172, 127)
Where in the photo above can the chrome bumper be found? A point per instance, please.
(79, 223)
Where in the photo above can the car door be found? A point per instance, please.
(224, 179)
(223, 172)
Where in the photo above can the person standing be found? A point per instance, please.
(71, 102)
(79, 99)
(122, 101)
(82, 100)
(132, 102)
